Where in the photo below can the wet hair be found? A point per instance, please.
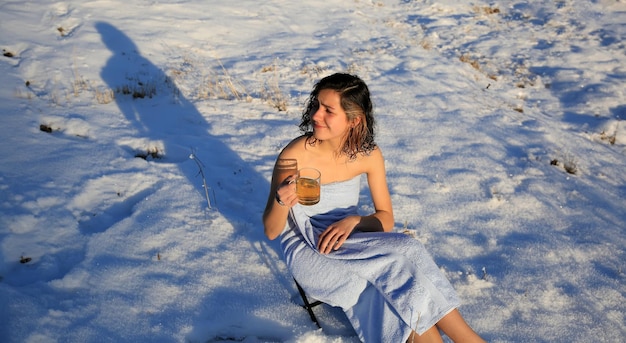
(355, 100)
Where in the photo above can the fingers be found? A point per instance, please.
(326, 247)
(330, 240)
(289, 180)
(286, 192)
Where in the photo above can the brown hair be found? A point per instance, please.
(356, 102)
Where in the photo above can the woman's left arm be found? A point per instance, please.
(382, 219)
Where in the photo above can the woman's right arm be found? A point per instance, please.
(275, 214)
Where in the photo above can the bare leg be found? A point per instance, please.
(455, 327)
(430, 336)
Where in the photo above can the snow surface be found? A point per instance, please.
(502, 124)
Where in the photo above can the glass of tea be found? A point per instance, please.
(308, 186)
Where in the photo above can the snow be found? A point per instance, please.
(501, 123)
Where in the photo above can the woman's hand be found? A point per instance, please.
(286, 192)
(336, 234)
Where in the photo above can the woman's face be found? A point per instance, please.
(330, 121)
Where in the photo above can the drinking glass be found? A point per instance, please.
(308, 186)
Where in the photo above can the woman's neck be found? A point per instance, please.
(332, 146)
(333, 149)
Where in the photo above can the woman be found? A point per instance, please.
(386, 283)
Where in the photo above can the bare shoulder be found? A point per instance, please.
(295, 148)
(374, 158)
(376, 154)
(371, 162)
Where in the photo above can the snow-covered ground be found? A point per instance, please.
(502, 124)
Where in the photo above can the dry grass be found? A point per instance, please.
(217, 82)
(486, 10)
(79, 84)
(222, 86)
(313, 69)
(232, 85)
(270, 90)
(465, 58)
(104, 96)
(138, 89)
(151, 153)
(426, 44)
(611, 138)
(569, 164)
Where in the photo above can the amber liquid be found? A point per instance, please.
(308, 191)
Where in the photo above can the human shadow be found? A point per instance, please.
(160, 113)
